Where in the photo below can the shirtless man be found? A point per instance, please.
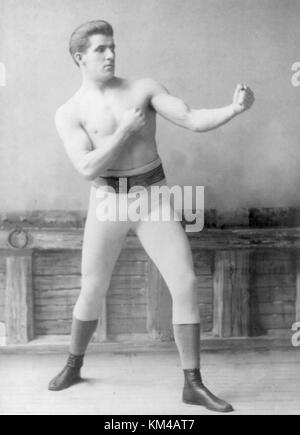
(108, 130)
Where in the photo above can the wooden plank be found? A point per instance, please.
(159, 306)
(203, 258)
(127, 310)
(204, 281)
(240, 303)
(2, 281)
(277, 321)
(57, 282)
(2, 313)
(129, 294)
(125, 299)
(56, 296)
(128, 282)
(69, 263)
(203, 262)
(19, 317)
(57, 263)
(271, 280)
(133, 255)
(205, 295)
(273, 254)
(274, 267)
(2, 294)
(278, 307)
(256, 238)
(64, 282)
(130, 268)
(44, 218)
(267, 216)
(44, 317)
(2, 263)
(206, 313)
(206, 325)
(59, 310)
(118, 325)
(59, 327)
(276, 294)
(2, 287)
(297, 305)
(232, 294)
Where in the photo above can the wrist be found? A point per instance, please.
(236, 109)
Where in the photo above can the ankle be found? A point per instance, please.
(75, 361)
(192, 375)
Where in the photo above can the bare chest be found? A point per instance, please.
(101, 116)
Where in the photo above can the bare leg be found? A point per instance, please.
(168, 246)
(101, 248)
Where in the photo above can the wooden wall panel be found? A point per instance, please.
(2, 287)
(127, 295)
(297, 266)
(19, 309)
(203, 264)
(274, 285)
(56, 288)
(232, 304)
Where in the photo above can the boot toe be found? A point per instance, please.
(228, 408)
(56, 385)
(64, 380)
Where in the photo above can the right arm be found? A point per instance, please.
(90, 162)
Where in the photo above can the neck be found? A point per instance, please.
(91, 84)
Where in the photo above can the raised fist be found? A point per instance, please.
(243, 98)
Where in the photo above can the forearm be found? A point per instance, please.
(209, 119)
(105, 154)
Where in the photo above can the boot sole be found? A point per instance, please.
(75, 382)
(188, 402)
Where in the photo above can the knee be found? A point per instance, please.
(187, 287)
(93, 287)
(189, 282)
(192, 281)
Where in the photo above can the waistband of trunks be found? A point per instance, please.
(135, 171)
(122, 184)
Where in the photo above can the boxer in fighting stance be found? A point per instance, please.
(108, 130)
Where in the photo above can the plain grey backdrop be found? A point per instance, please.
(200, 50)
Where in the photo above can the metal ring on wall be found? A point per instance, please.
(18, 239)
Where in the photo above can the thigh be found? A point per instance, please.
(102, 242)
(168, 246)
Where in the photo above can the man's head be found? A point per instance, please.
(92, 48)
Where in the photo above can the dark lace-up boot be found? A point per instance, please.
(195, 393)
(69, 376)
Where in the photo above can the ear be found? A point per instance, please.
(78, 57)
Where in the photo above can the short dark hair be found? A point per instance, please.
(79, 41)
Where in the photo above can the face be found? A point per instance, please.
(99, 59)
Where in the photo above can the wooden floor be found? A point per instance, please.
(150, 383)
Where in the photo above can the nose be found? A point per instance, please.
(110, 54)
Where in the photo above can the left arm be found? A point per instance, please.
(179, 113)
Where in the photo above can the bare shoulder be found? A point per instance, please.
(151, 86)
(67, 113)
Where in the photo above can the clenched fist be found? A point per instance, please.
(243, 98)
(133, 120)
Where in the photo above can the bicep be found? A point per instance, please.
(170, 107)
(76, 141)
